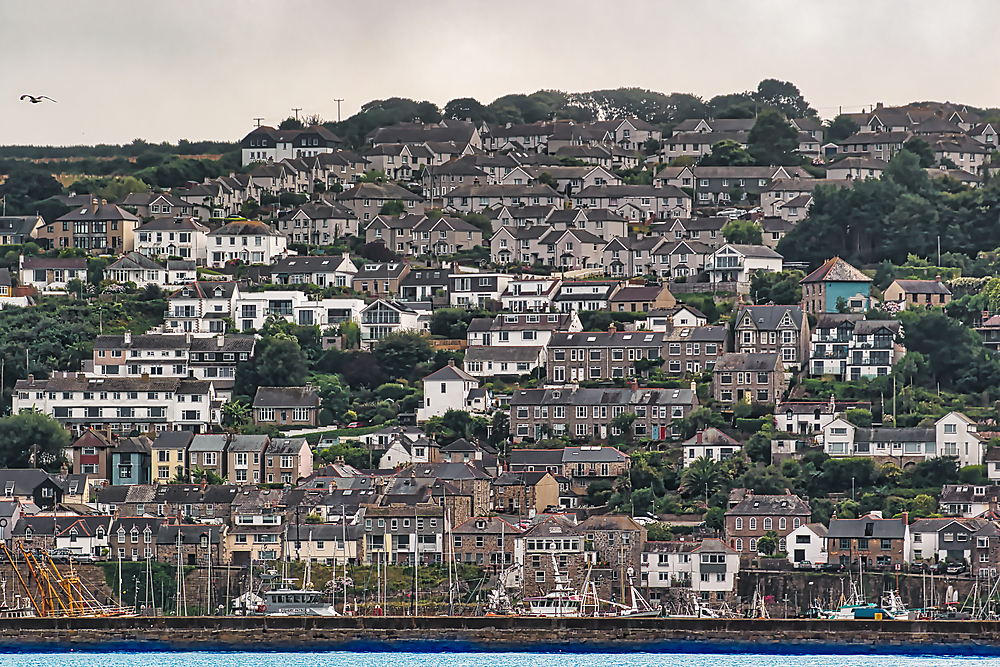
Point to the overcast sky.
(172, 69)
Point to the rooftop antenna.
(338, 100)
(296, 110)
(257, 121)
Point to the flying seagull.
(36, 100)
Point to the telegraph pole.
(296, 110)
(257, 121)
(338, 100)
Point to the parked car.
(955, 568)
(832, 567)
(918, 567)
(354, 425)
(730, 213)
(804, 565)
(60, 555)
(84, 558)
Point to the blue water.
(382, 659)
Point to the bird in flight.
(36, 100)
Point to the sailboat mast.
(343, 523)
(416, 565)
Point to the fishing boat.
(296, 602)
(561, 602)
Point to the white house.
(737, 263)
(535, 294)
(708, 568)
(250, 241)
(402, 451)
(182, 237)
(381, 318)
(953, 435)
(321, 270)
(134, 267)
(957, 433)
(201, 307)
(48, 274)
(120, 404)
(807, 542)
(445, 389)
(711, 443)
(251, 310)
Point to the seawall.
(500, 634)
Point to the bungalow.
(286, 406)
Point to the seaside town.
(618, 353)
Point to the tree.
(778, 287)
(773, 141)
(393, 207)
(702, 478)
(727, 153)
(278, 362)
(768, 544)
(840, 128)
(623, 423)
(236, 414)
(545, 178)
(715, 519)
(398, 354)
(32, 433)
(783, 96)
(291, 123)
(859, 417)
(922, 150)
(743, 232)
(463, 108)
(758, 448)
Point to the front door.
(800, 555)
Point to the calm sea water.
(378, 659)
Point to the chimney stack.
(612, 329)
(451, 362)
(128, 337)
(220, 341)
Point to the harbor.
(508, 634)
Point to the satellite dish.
(3, 523)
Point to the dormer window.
(185, 292)
(218, 292)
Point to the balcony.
(836, 354)
(825, 338)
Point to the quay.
(499, 634)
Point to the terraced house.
(574, 357)
(589, 414)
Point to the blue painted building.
(835, 280)
(131, 461)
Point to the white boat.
(562, 602)
(296, 602)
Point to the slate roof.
(170, 223)
(767, 318)
(173, 440)
(245, 228)
(286, 397)
(286, 446)
(867, 526)
(922, 286)
(539, 457)
(836, 270)
(450, 373)
(888, 434)
(757, 361)
(783, 505)
(502, 353)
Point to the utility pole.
(338, 100)
(296, 110)
(257, 121)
